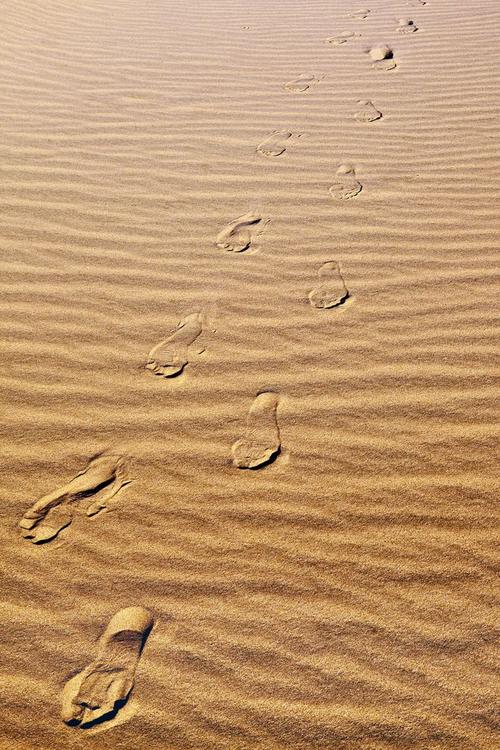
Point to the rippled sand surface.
(227, 241)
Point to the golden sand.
(248, 304)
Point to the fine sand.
(248, 308)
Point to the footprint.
(360, 15)
(275, 144)
(367, 112)
(241, 233)
(169, 357)
(382, 57)
(346, 185)
(416, 3)
(99, 482)
(261, 444)
(301, 83)
(98, 692)
(341, 38)
(406, 26)
(331, 290)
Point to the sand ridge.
(338, 596)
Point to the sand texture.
(249, 312)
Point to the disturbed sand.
(248, 308)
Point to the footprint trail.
(261, 443)
(275, 144)
(99, 482)
(98, 692)
(169, 358)
(331, 290)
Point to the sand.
(248, 302)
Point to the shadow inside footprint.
(382, 57)
(406, 26)
(346, 185)
(239, 235)
(261, 444)
(169, 358)
(104, 476)
(275, 144)
(96, 694)
(360, 15)
(331, 290)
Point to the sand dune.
(341, 596)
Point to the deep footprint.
(360, 15)
(367, 112)
(301, 83)
(346, 185)
(99, 482)
(239, 235)
(406, 26)
(275, 144)
(382, 57)
(96, 694)
(169, 357)
(342, 38)
(331, 290)
(261, 443)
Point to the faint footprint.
(416, 3)
(360, 15)
(346, 185)
(342, 38)
(301, 83)
(261, 443)
(406, 26)
(241, 233)
(169, 357)
(98, 692)
(331, 290)
(382, 57)
(274, 144)
(99, 482)
(367, 112)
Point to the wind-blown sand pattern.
(98, 692)
(341, 598)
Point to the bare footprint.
(97, 694)
(240, 234)
(301, 83)
(275, 144)
(261, 444)
(382, 57)
(169, 357)
(99, 482)
(342, 38)
(406, 26)
(360, 14)
(367, 112)
(416, 3)
(331, 290)
(346, 185)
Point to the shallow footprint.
(239, 234)
(346, 185)
(382, 57)
(169, 357)
(274, 144)
(261, 443)
(367, 112)
(100, 481)
(360, 14)
(341, 38)
(406, 26)
(301, 83)
(331, 290)
(98, 692)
